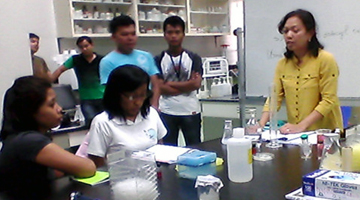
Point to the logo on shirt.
(141, 59)
(151, 133)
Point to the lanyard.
(177, 70)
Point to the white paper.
(289, 138)
(312, 139)
(167, 154)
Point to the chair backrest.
(65, 97)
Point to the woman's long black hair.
(126, 78)
(309, 21)
(21, 102)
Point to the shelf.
(111, 3)
(161, 5)
(152, 21)
(90, 19)
(151, 35)
(99, 35)
(206, 34)
(208, 13)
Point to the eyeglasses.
(136, 97)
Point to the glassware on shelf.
(228, 131)
(96, 13)
(142, 15)
(306, 147)
(273, 131)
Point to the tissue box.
(332, 184)
(196, 163)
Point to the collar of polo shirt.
(121, 121)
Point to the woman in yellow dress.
(307, 78)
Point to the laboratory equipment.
(239, 157)
(273, 104)
(196, 163)
(320, 141)
(353, 141)
(228, 131)
(306, 147)
(216, 69)
(261, 156)
(331, 157)
(133, 174)
(252, 124)
(208, 187)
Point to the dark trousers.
(90, 108)
(190, 126)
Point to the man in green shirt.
(86, 66)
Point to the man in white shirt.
(181, 71)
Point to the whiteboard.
(338, 30)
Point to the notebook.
(98, 178)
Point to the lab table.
(272, 179)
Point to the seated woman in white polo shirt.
(128, 119)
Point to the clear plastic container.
(133, 175)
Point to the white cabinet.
(91, 17)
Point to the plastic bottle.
(227, 87)
(239, 157)
(215, 88)
(96, 13)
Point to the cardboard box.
(332, 185)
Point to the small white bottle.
(239, 157)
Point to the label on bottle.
(250, 157)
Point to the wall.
(18, 18)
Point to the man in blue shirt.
(123, 33)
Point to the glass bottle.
(117, 12)
(85, 12)
(252, 124)
(331, 158)
(96, 13)
(228, 131)
(305, 147)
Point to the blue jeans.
(90, 108)
(190, 125)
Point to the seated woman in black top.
(28, 158)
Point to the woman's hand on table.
(292, 128)
(253, 129)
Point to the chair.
(66, 99)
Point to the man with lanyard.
(86, 66)
(181, 72)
